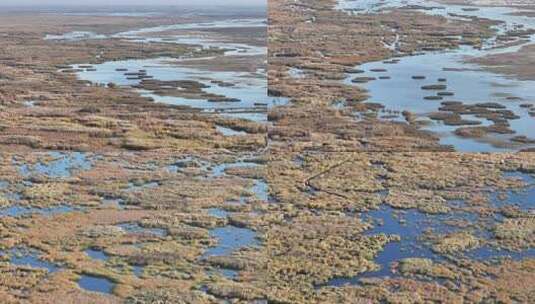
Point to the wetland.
(456, 79)
(194, 155)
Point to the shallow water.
(412, 225)
(62, 165)
(22, 257)
(368, 6)
(468, 82)
(523, 199)
(97, 284)
(75, 36)
(401, 92)
(219, 24)
(250, 88)
(85, 35)
(232, 49)
(188, 162)
(409, 225)
(205, 42)
(136, 228)
(261, 190)
(296, 73)
(219, 170)
(230, 239)
(97, 254)
(229, 131)
(218, 212)
(488, 253)
(138, 270)
(229, 273)
(115, 14)
(18, 210)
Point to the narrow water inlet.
(218, 212)
(261, 190)
(219, 170)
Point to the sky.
(130, 2)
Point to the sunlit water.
(248, 92)
(466, 81)
(249, 88)
(206, 42)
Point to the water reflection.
(465, 82)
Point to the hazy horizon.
(45, 3)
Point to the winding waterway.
(460, 81)
(246, 91)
